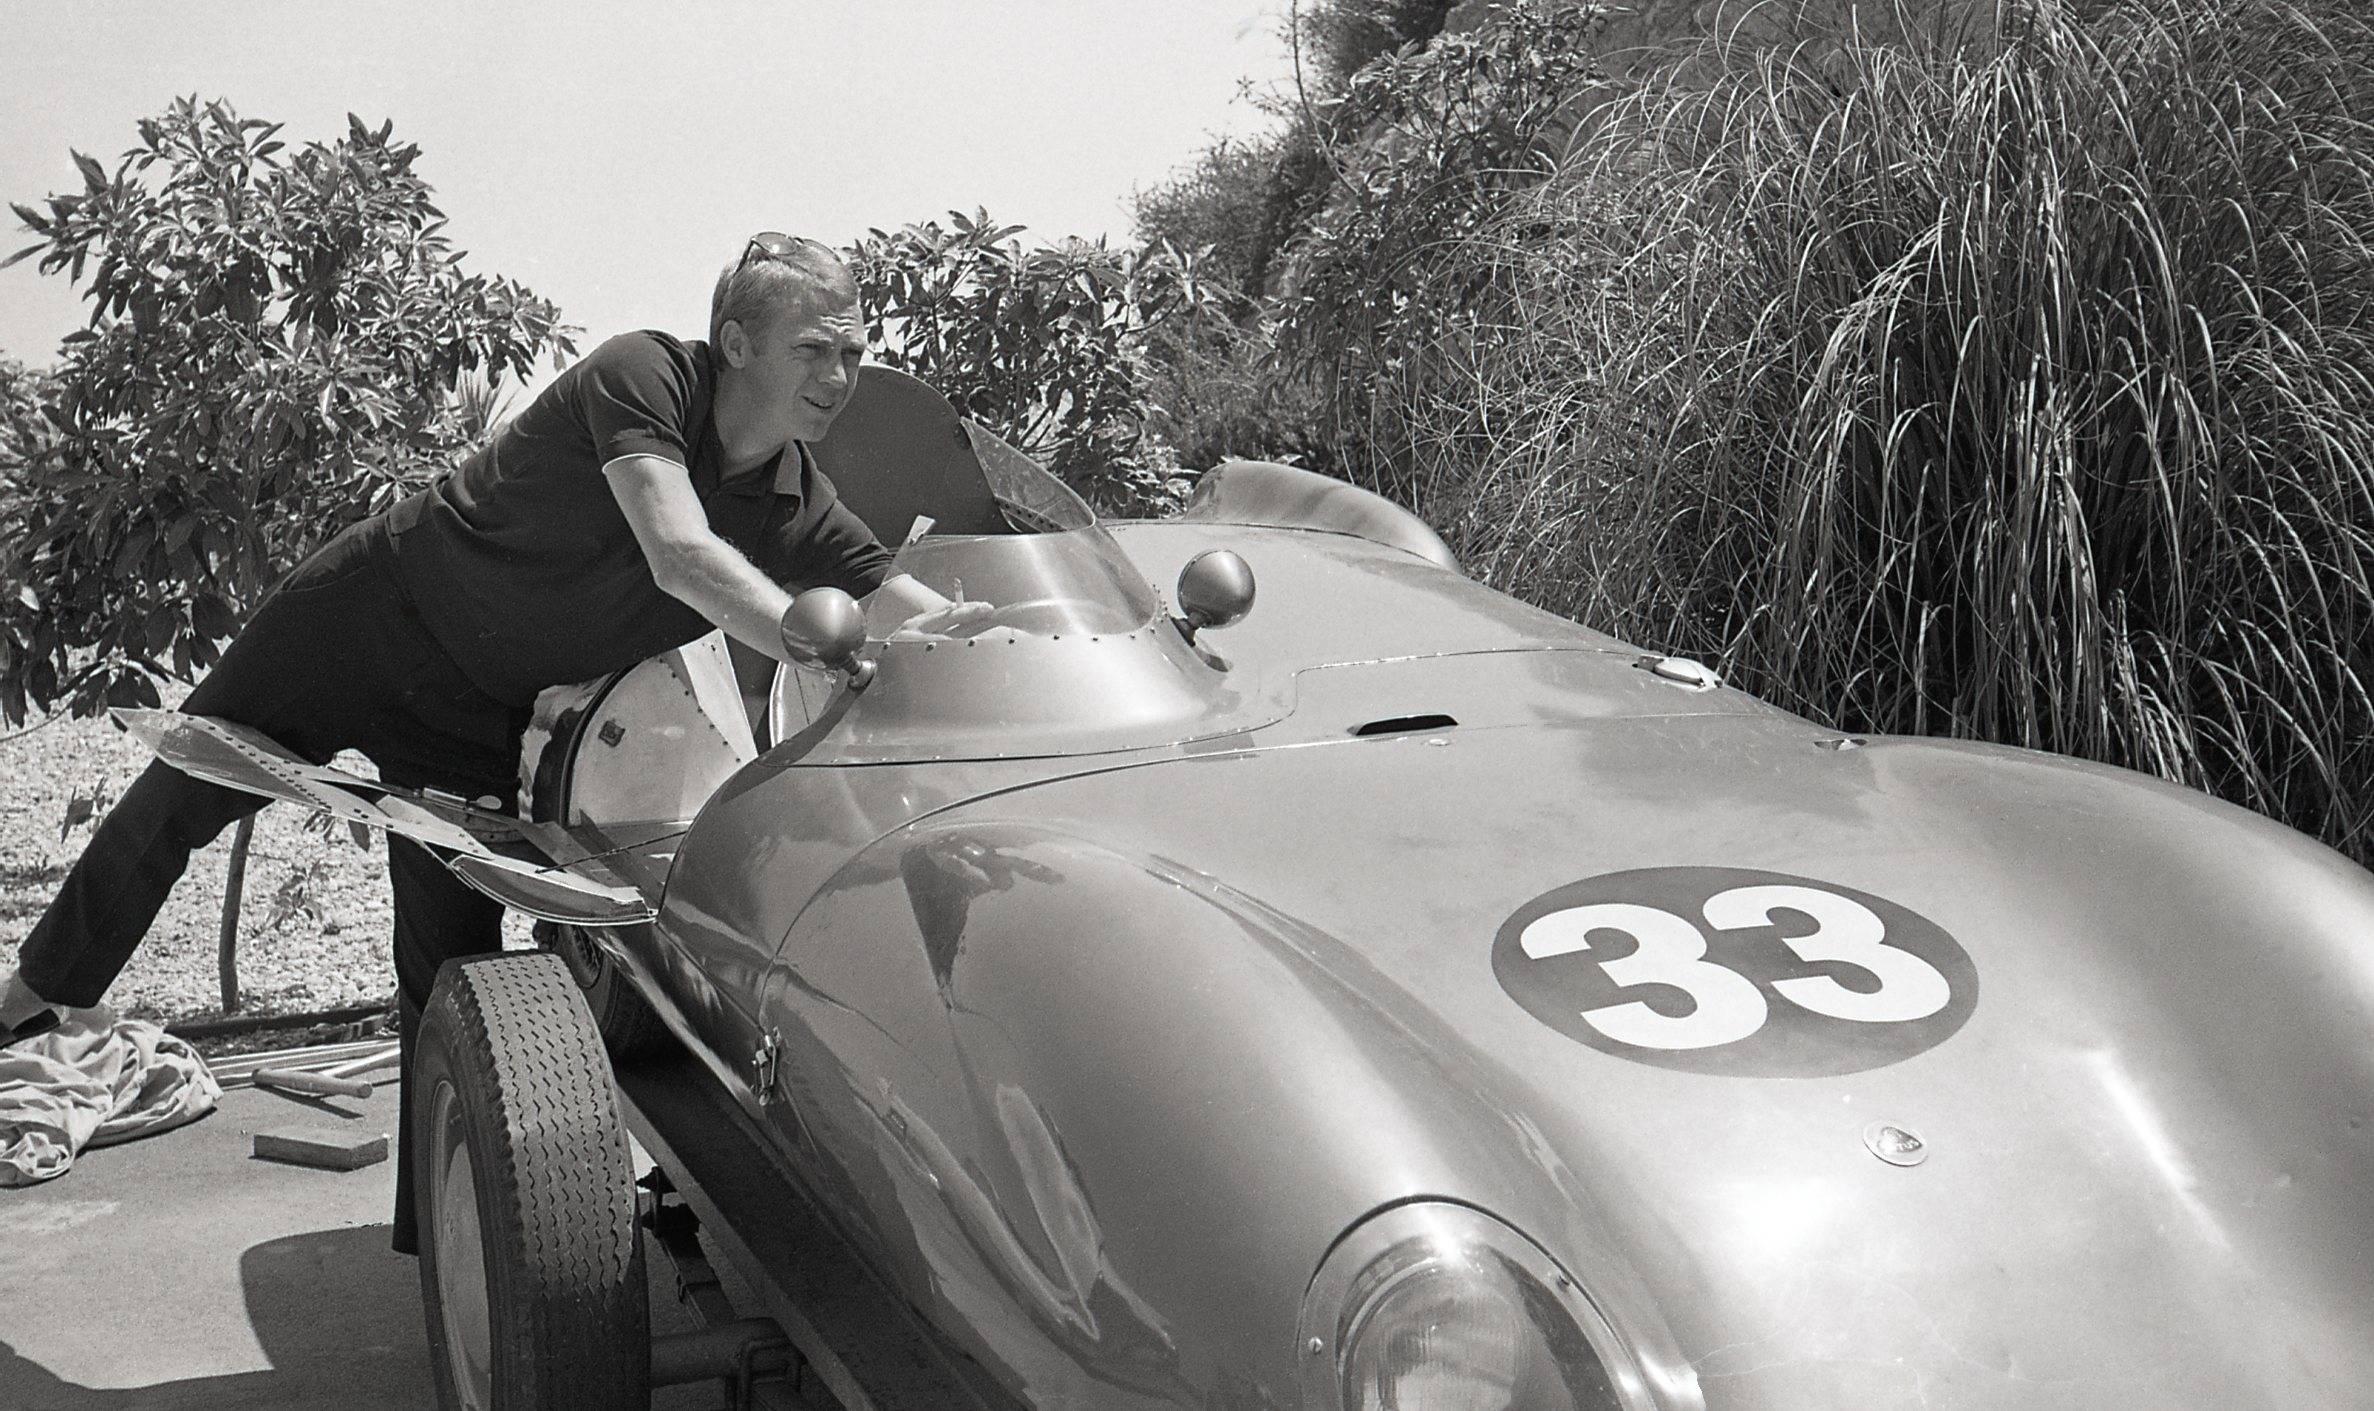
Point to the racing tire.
(531, 1270)
(628, 1024)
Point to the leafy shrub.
(2019, 391)
(1378, 155)
(1046, 347)
(1382, 289)
(1243, 199)
(274, 343)
(1215, 386)
(1215, 393)
(24, 430)
(1342, 37)
(1240, 201)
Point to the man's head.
(785, 326)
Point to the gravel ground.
(300, 965)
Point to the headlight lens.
(1436, 1307)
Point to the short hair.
(759, 284)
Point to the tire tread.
(535, 1088)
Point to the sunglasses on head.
(771, 245)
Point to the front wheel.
(531, 1271)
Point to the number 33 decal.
(1662, 923)
(1729, 1007)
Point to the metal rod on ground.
(232, 1071)
(329, 1080)
(298, 1080)
(226, 956)
(377, 1058)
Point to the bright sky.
(611, 154)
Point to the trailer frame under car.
(857, 1346)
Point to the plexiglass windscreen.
(1060, 574)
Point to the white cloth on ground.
(93, 1080)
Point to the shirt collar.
(784, 475)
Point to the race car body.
(1402, 997)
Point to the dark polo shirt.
(523, 566)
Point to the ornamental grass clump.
(2019, 386)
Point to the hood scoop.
(1405, 724)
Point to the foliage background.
(1049, 347)
(1999, 370)
(1990, 371)
(280, 341)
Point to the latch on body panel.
(1681, 671)
(763, 1061)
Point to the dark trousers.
(334, 658)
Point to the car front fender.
(1104, 1117)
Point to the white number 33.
(1725, 1005)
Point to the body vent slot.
(1403, 724)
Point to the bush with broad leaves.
(277, 346)
(1046, 347)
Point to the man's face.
(801, 364)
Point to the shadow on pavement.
(337, 1315)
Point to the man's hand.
(945, 621)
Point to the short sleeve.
(822, 545)
(636, 394)
(845, 553)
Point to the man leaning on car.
(656, 489)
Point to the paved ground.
(180, 1273)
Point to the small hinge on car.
(762, 1067)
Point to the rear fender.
(1284, 497)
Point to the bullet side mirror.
(1215, 590)
(825, 627)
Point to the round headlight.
(1437, 1307)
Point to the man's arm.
(688, 561)
(694, 566)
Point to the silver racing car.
(1344, 986)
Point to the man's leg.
(115, 889)
(447, 734)
(301, 672)
(438, 917)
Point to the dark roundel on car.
(1734, 971)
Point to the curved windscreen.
(1061, 573)
(1034, 501)
(1078, 655)
(1078, 582)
